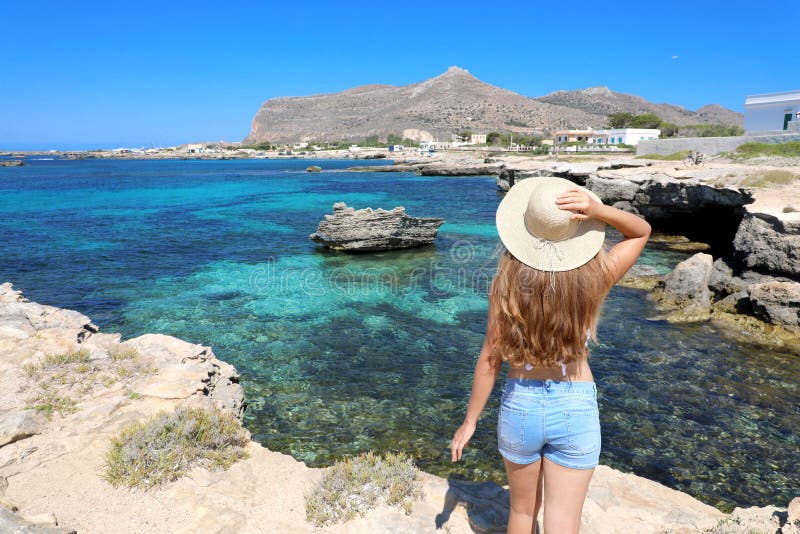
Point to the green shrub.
(770, 178)
(119, 354)
(76, 356)
(31, 370)
(146, 454)
(47, 401)
(790, 149)
(353, 486)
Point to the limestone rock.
(186, 369)
(624, 164)
(9, 294)
(776, 302)
(723, 281)
(314, 168)
(612, 190)
(793, 511)
(698, 211)
(687, 285)
(766, 519)
(767, 244)
(368, 230)
(12, 163)
(460, 170)
(13, 523)
(19, 424)
(577, 172)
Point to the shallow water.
(340, 354)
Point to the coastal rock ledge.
(368, 230)
(51, 467)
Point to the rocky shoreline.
(752, 282)
(50, 468)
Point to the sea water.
(341, 354)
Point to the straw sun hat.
(542, 236)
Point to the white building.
(573, 136)
(477, 139)
(624, 136)
(773, 112)
(195, 148)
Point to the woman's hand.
(460, 440)
(577, 201)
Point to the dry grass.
(66, 358)
(147, 454)
(353, 486)
(770, 178)
(675, 156)
(59, 378)
(790, 149)
(48, 401)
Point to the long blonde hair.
(542, 317)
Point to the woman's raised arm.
(636, 230)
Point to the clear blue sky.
(106, 74)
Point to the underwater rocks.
(366, 229)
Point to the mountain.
(453, 101)
(604, 101)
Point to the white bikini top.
(528, 366)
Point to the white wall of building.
(625, 136)
(767, 113)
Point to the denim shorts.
(550, 418)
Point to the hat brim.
(570, 253)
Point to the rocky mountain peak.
(599, 90)
(445, 104)
(456, 70)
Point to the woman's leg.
(524, 482)
(564, 493)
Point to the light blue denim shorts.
(550, 418)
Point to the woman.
(544, 304)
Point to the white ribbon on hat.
(550, 248)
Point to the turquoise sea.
(340, 354)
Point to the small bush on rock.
(353, 486)
(147, 454)
(66, 358)
(47, 401)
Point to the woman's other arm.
(482, 385)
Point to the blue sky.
(106, 74)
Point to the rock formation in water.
(371, 230)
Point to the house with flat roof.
(624, 136)
(572, 136)
(772, 112)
